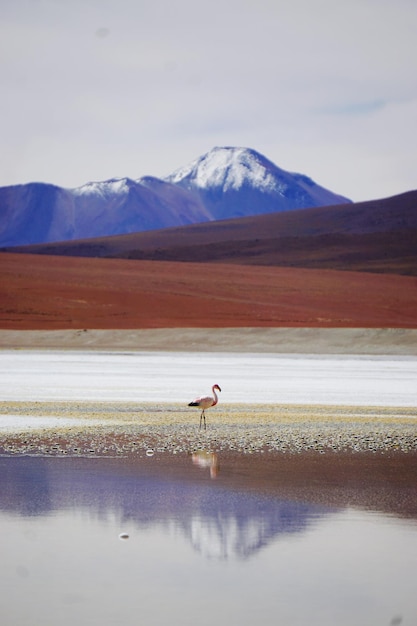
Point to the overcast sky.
(96, 89)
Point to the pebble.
(124, 429)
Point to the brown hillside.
(377, 236)
(44, 292)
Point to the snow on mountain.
(229, 168)
(224, 183)
(40, 213)
(105, 189)
(235, 182)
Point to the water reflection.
(217, 521)
(156, 540)
(206, 459)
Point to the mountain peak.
(224, 183)
(104, 188)
(232, 182)
(229, 168)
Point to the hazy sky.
(95, 89)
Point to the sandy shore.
(120, 428)
(373, 341)
(335, 456)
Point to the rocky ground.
(118, 428)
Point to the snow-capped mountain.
(229, 168)
(236, 182)
(41, 213)
(224, 183)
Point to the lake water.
(296, 540)
(153, 541)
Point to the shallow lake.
(292, 539)
(171, 540)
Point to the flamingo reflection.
(205, 459)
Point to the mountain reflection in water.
(218, 521)
(289, 539)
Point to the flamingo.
(206, 402)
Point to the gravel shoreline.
(125, 429)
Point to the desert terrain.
(230, 289)
(328, 279)
(47, 292)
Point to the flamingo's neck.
(215, 396)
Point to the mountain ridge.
(377, 236)
(239, 182)
(229, 181)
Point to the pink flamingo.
(205, 403)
